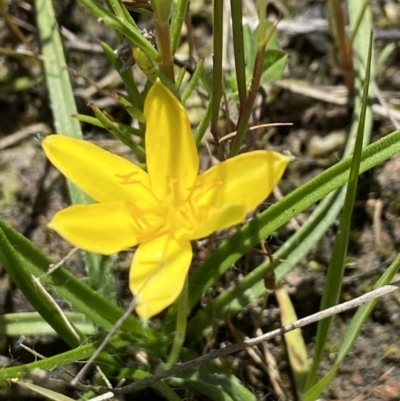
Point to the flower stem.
(181, 322)
(238, 45)
(162, 11)
(217, 67)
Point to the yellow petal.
(246, 180)
(171, 153)
(228, 215)
(158, 273)
(104, 228)
(102, 175)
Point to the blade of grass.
(49, 394)
(194, 80)
(337, 263)
(352, 332)
(24, 280)
(295, 346)
(179, 8)
(99, 268)
(127, 28)
(238, 46)
(32, 324)
(217, 69)
(84, 351)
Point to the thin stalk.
(217, 68)
(166, 60)
(238, 46)
(181, 323)
(255, 84)
(162, 11)
(204, 123)
(343, 45)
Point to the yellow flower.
(162, 209)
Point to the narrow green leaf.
(83, 352)
(139, 374)
(32, 324)
(352, 333)
(210, 377)
(294, 341)
(126, 74)
(131, 31)
(119, 131)
(49, 394)
(63, 107)
(179, 8)
(337, 262)
(22, 277)
(194, 81)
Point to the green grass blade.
(179, 8)
(223, 382)
(238, 46)
(127, 28)
(194, 81)
(84, 351)
(333, 284)
(63, 106)
(126, 74)
(22, 277)
(45, 392)
(352, 332)
(294, 342)
(32, 324)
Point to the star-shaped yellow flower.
(162, 209)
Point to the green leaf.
(126, 74)
(84, 351)
(119, 131)
(352, 333)
(337, 262)
(23, 278)
(49, 394)
(295, 346)
(179, 8)
(214, 382)
(274, 65)
(63, 107)
(32, 324)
